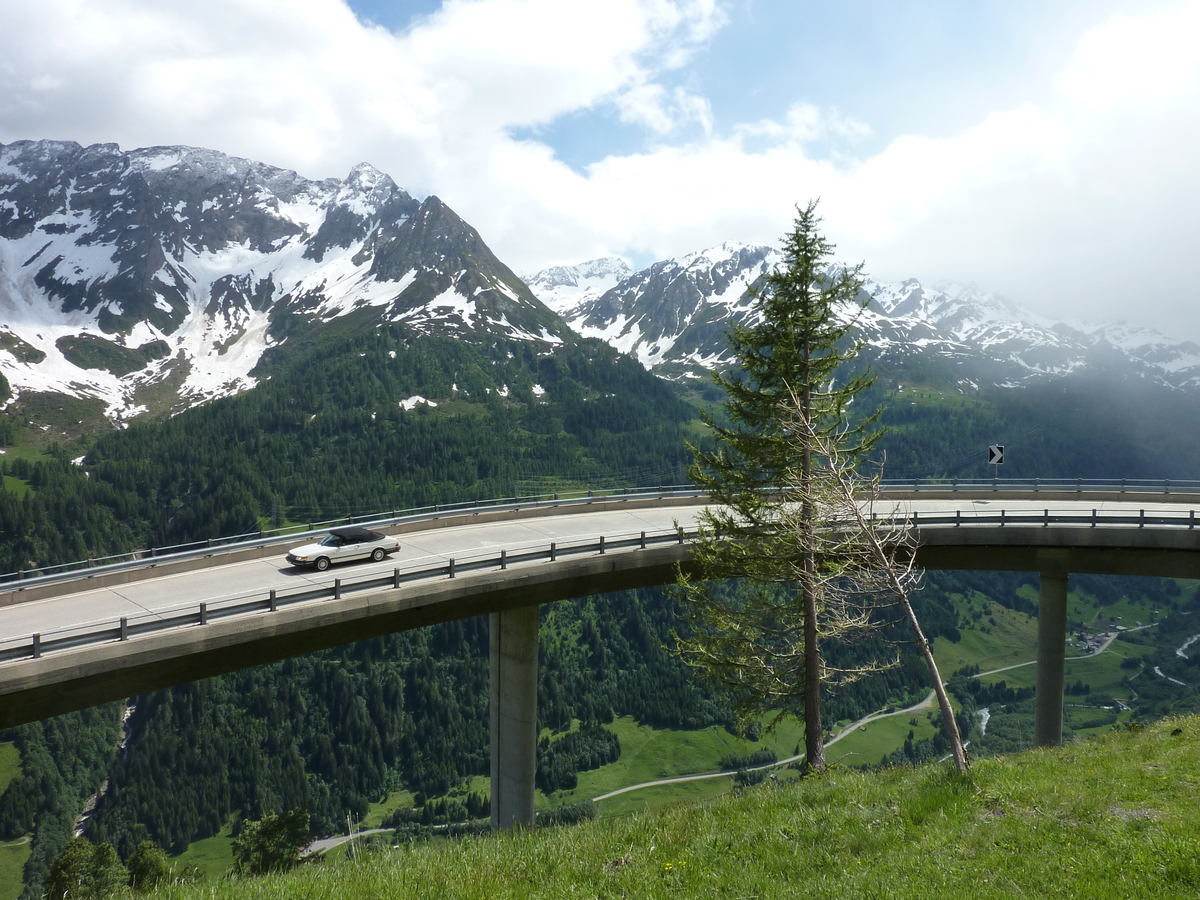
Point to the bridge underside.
(1092, 551)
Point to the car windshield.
(331, 540)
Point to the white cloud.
(663, 111)
(803, 124)
(1087, 198)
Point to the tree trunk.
(949, 723)
(814, 732)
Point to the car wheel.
(377, 554)
(322, 563)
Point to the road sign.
(996, 454)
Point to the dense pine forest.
(334, 429)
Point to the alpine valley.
(195, 345)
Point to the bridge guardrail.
(75, 636)
(212, 546)
(194, 549)
(35, 645)
(1036, 485)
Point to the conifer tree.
(786, 519)
(764, 640)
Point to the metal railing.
(109, 630)
(195, 549)
(383, 519)
(84, 634)
(1037, 485)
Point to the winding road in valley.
(851, 728)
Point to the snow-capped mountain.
(124, 271)
(673, 316)
(567, 287)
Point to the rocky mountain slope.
(156, 278)
(673, 317)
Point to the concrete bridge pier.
(513, 715)
(1051, 659)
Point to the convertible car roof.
(355, 532)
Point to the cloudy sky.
(1046, 149)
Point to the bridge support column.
(1051, 659)
(513, 715)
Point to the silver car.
(342, 544)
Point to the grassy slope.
(213, 855)
(1106, 818)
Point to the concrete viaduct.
(111, 632)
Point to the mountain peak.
(122, 271)
(566, 287)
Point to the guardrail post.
(337, 589)
(20, 574)
(643, 545)
(203, 613)
(124, 628)
(1191, 519)
(601, 545)
(916, 484)
(1037, 482)
(957, 517)
(1079, 485)
(209, 542)
(553, 552)
(1167, 486)
(1122, 485)
(395, 578)
(1093, 518)
(1045, 518)
(1141, 518)
(503, 559)
(452, 567)
(1001, 518)
(274, 601)
(680, 535)
(954, 485)
(37, 646)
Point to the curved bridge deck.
(102, 637)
